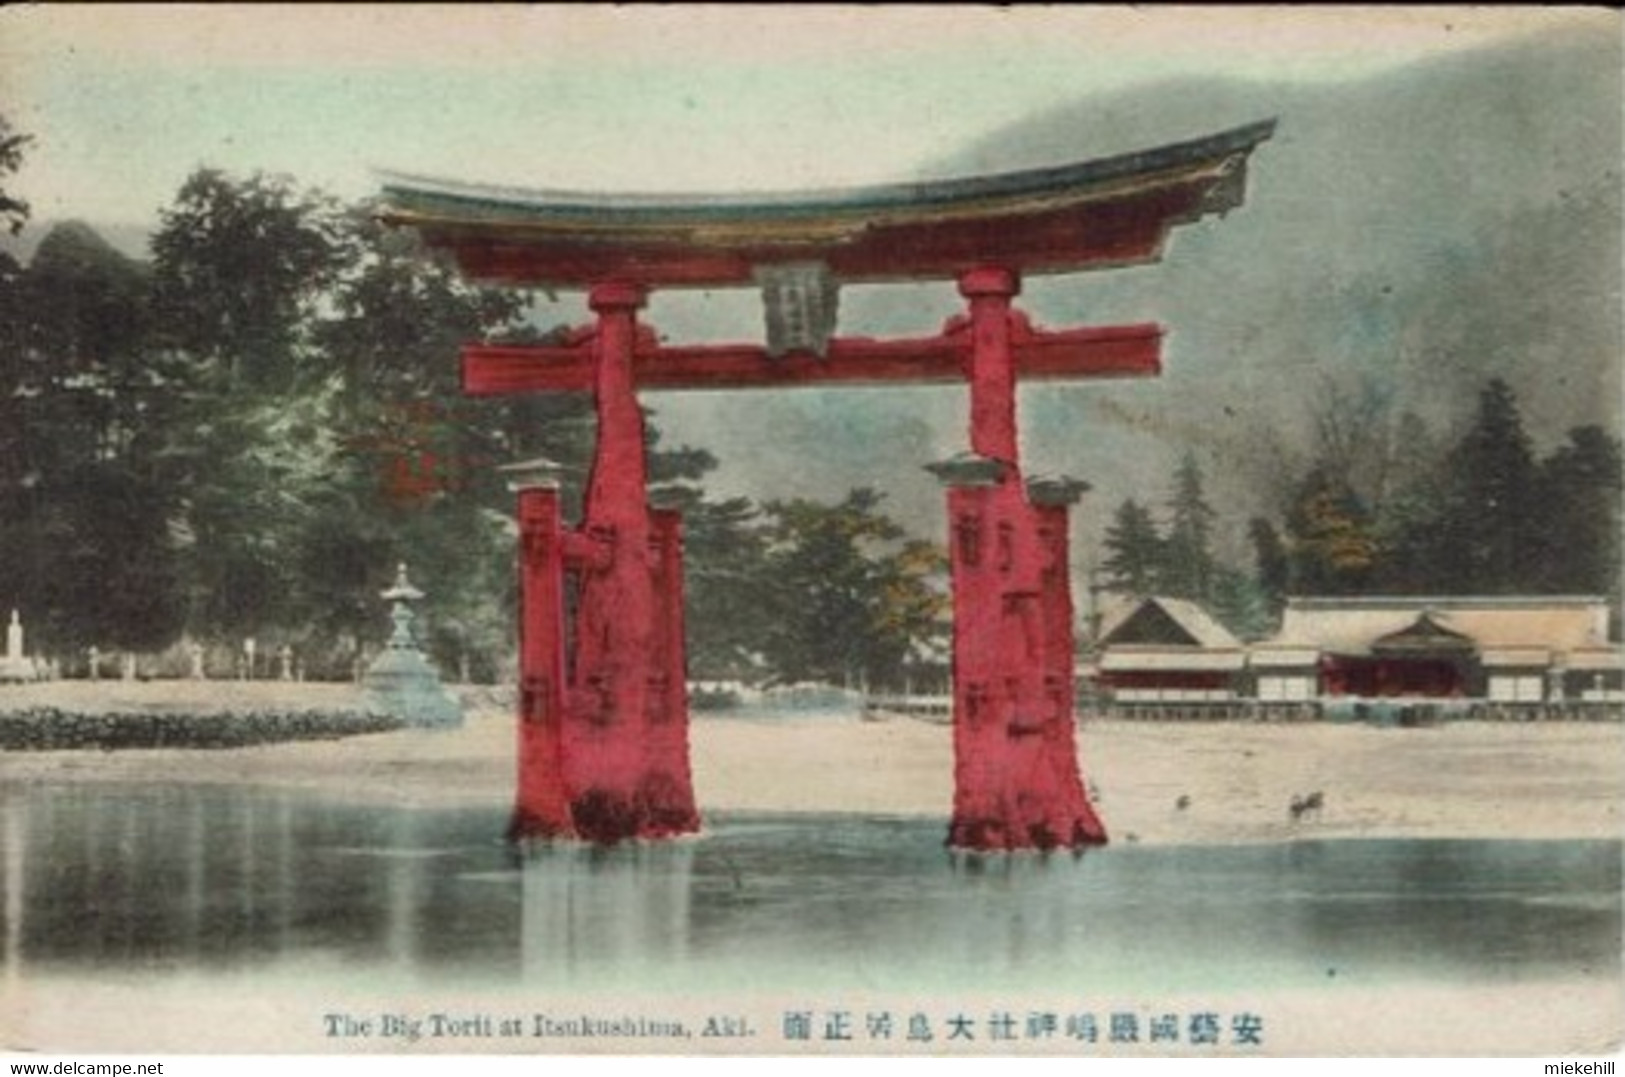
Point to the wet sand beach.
(1155, 784)
(1178, 783)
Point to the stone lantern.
(401, 682)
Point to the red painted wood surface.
(1128, 226)
(992, 364)
(1378, 678)
(542, 803)
(623, 764)
(1065, 218)
(620, 619)
(615, 764)
(1060, 677)
(1116, 351)
(667, 801)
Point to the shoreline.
(1153, 783)
(1471, 781)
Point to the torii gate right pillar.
(1016, 779)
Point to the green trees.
(1578, 550)
(1485, 515)
(1272, 564)
(1188, 567)
(240, 268)
(85, 491)
(724, 576)
(1141, 559)
(210, 444)
(13, 210)
(412, 473)
(849, 598)
(1394, 510)
(1133, 550)
(1481, 514)
(1491, 518)
(1330, 543)
(1412, 546)
(242, 438)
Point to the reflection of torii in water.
(604, 729)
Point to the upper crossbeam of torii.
(1112, 211)
(603, 711)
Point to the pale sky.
(124, 102)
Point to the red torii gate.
(603, 709)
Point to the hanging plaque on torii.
(603, 749)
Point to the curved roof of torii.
(1104, 212)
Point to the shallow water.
(187, 880)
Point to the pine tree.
(1415, 556)
(1133, 550)
(1580, 491)
(1273, 566)
(1187, 564)
(1491, 520)
(725, 579)
(1240, 604)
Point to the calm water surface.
(156, 879)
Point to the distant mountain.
(1404, 238)
(1439, 194)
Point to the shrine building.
(1518, 650)
(1538, 649)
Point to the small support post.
(668, 786)
(542, 804)
(1051, 500)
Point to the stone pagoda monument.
(401, 682)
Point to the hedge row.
(53, 729)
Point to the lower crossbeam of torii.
(603, 722)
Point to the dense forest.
(1409, 513)
(241, 437)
